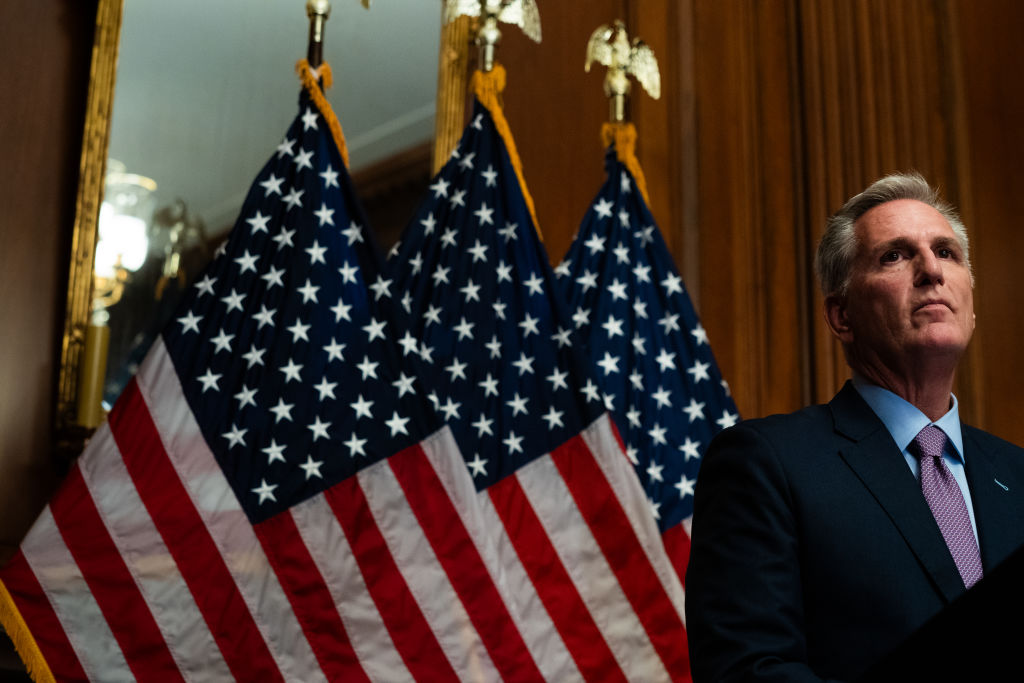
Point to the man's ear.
(837, 318)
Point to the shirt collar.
(904, 420)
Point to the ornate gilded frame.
(92, 168)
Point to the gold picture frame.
(92, 168)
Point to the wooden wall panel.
(668, 142)
(44, 49)
(993, 61)
(751, 275)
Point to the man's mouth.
(932, 303)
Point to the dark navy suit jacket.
(813, 550)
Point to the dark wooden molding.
(391, 190)
(381, 179)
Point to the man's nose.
(929, 269)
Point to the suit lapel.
(993, 504)
(868, 449)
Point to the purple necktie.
(947, 503)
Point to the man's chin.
(940, 340)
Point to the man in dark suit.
(823, 538)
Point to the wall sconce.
(121, 250)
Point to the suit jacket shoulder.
(992, 444)
(995, 473)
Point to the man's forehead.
(902, 219)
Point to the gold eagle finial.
(522, 13)
(610, 45)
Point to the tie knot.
(929, 442)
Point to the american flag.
(272, 497)
(650, 352)
(597, 596)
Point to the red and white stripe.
(144, 566)
(577, 521)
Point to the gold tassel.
(24, 643)
(488, 87)
(624, 137)
(309, 82)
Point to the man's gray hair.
(833, 263)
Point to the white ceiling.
(206, 88)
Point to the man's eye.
(945, 253)
(890, 256)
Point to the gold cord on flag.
(24, 643)
(624, 137)
(488, 86)
(308, 76)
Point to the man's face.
(910, 296)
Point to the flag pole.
(487, 37)
(318, 12)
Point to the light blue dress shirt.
(904, 421)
